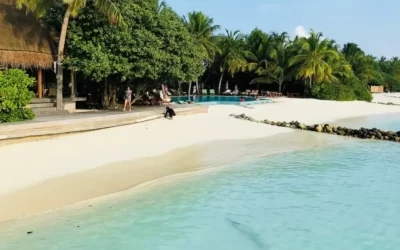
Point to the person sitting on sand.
(169, 113)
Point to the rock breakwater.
(362, 133)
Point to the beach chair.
(254, 93)
(212, 92)
(204, 91)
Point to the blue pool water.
(209, 100)
(342, 196)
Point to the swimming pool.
(212, 100)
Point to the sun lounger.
(204, 92)
(227, 92)
(254, 93)
(212, 92)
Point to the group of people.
(169, 112)
(128, 97)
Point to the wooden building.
(377, 89)
(26, 43)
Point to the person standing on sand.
(128, 98)
(166, 90)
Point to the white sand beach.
(30, 165)
(387, 98)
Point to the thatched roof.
(24, 42)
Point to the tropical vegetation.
(15, 95)
(146, 44)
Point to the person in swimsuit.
(128, 99)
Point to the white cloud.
(300, 31)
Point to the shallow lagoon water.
(340, 196)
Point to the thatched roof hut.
(24, 42)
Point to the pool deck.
(88, 121)
(222, 100)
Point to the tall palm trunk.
(197, 87)
(280, 86)
(190, 87)
(60, 57)
(106, 98)
(220, 83)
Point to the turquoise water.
(342, 196)
(209, 100)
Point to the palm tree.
(233, 56)
(364, 67)
(260, 44)
(203, 28)
(390, 71)
(41, 7)
(273, 54)
(313, 59)
(277, 69)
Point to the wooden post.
(72, 83)
(39, 84)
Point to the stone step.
(49, 112)
(43, 100)
(42, 105)
(46, 111)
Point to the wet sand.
(112, 178)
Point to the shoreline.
(76, 191)
(93, 173)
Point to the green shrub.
(334, 92)
(360, 89)
(395, 86)
(15, 96)
(349, 89)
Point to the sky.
(373, 24)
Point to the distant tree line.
(144, 44)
